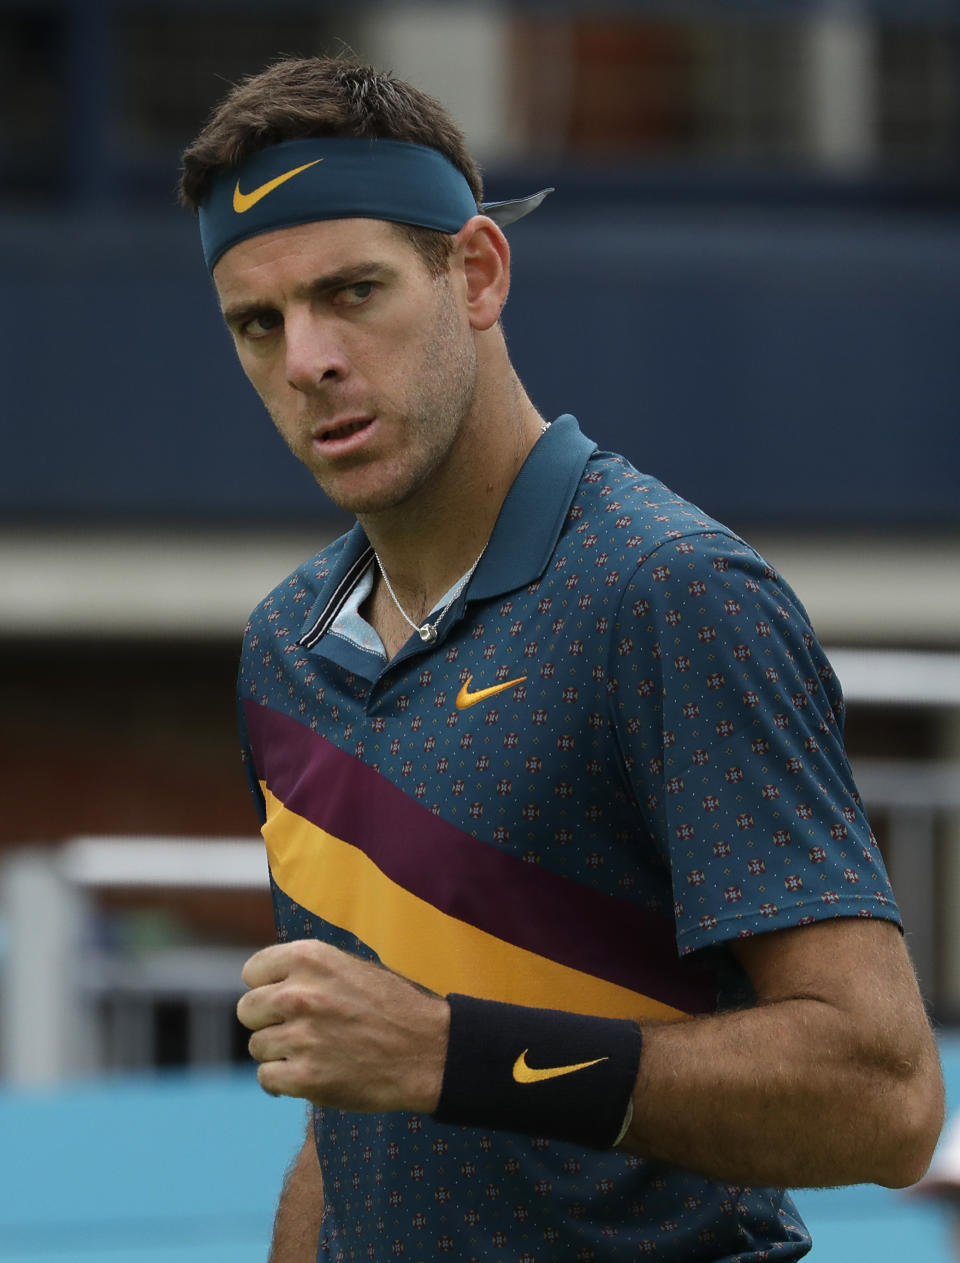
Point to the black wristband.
(542, 1072)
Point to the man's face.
(366, 363)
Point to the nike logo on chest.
(466, 698)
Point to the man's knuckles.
(297, 999)
(273, 964)
(249, 1011)
(289, 1072)
(312, 955)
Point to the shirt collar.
(533, 514)
(523, 539)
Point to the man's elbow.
(913, 1120)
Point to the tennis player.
(586, 950)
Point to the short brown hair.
(326, 96)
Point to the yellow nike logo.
(465, 698)
(243, 201)
(522, 1073)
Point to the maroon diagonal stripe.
(523, 904)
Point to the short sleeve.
(730, 724)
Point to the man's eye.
(353, 295)
(260, 325)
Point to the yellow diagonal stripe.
(338, 882)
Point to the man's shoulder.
(618, 503)
(634, 525)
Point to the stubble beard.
(432, 415)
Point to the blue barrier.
(187, 1169)
(171, 1169)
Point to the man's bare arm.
(832, 1079)
(296, 1228)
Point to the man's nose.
(314, 353)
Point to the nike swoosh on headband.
(242, 202)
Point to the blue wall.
(188, 1169)
(774, 364)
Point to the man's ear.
(484, 258)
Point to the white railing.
(69, 1006)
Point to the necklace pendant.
(428, 633)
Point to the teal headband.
(335, 177)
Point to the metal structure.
(70, 1006)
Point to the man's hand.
(340, 1031)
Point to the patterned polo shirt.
(623, 751)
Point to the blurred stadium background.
(746, 280)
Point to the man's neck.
(426, 545)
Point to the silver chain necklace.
(427, 631)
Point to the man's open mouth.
(343, 431)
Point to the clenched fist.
(340, 1031)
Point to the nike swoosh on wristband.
(522, 1073)
(465, 698)
(243, 201)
